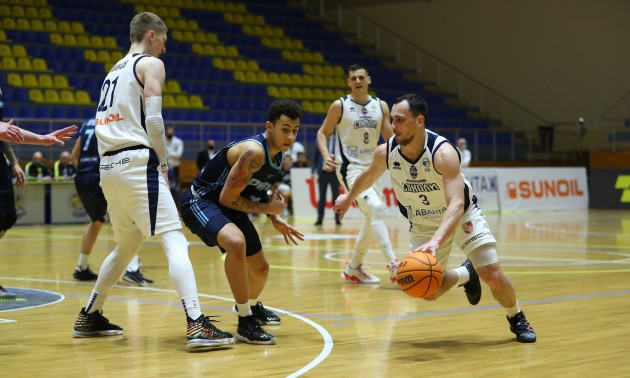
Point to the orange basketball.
(419, 274)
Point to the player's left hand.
(20, 177)
(342, 205)
(288, 231)
(430, 247)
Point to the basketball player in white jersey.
(359, 119)
(441, 208)
(133, 172)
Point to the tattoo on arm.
(248, 164)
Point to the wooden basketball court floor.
(571, 271)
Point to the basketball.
(419, 275)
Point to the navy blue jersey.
(211, 179)
(88, 155)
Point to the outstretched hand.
(288, 231)
(58, 137)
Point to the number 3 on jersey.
(104, 92)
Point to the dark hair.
(356, 67)
(417, 105)
(289, 108)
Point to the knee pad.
(484, 255)
(377, 209)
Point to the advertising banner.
(610, 188)
(484, 185)
(549, 188)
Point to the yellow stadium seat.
(250, 77)
(328, 81)
(67, 97)
(5, 50)
(182, 101)
(252, 65)
(197, 48)
(22, 24)
(212, 38)
(24, 64)
(60, 82)
(45, 13)
(300, 56)
(272, 91)
(241, 65)
(35, 95)
(217, 63)
(103, 56)
(5, 10)
(39, 64)
(89, 55)
(196, 102)
(8, 23)
(286, 54)
(307, 93)
(231, 51)
(239, 76)
(248, 29)
(40, 3)
(340, 81)
(177, 35)
(229, 64)
(297, 44)
(328, 70)
(285, 78)
(180, 24)
(19, 51)
(318, 57)
(296, 79)
(51, 96)
(173, 86)
(318, 80)
(274, 78)
(307, 106)
(57, 39)
(318, 94)
(82, 98)
(83, 41)
(45, 81)
(220, 50)
(3, 35)
(37, 25)
(77, 28)
(319, 107)
(116, 56)
(50, 26)
(307, 80)
(188, 36)
(261, 77)
(265, 41)
(64, 27)
(219, 6)
(31, 12)
(14, 80)
(192, 25)
(296, 93)
(96, 41)
(8, 63)
(338, 70)
(110, 42)
(340, 93)
(317, 70)
(168, 101)
(69, 40)
(330, 94)
(209, 50)
(284, 92)
(259, 20)
(200, 37)
(17, 11)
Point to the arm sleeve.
(155, 129)
(8, 151)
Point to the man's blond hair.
(142, 23)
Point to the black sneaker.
(473, 286)
(84, 275)
(521, 328)
(249, 331)
(318, 223)
(93, 325)
(6, 296)
(202, 333)
(136, 277)
(261, 314)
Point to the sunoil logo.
(544, 189)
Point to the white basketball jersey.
(418, 186)
(120, 113)
(358, 131)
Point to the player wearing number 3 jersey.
(359, 119)
(133, 171)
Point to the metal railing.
(428, 66)
(617, 123)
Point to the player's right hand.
(275, 204)
(330, 164)
(342, 204)
(10, 133)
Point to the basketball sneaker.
(249, 331)
(202, 333)
(6, 296)
(261, 314)
(392, 267)
(84, 274)
(473, 286)
(358, 275)
(136, 277)
(521, 328)
(94, 325)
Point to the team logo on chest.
(467, 227)
(413, 171)
(364, 111)
(426, 164)
(396, 165)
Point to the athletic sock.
(192, 308)
(462, 275)
(512, 311)
(83, 261)
(244, 309)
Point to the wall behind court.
(559, 59)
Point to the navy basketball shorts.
(91, 196)
(8, 215)
(206, 218)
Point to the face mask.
(210, 148)
(169, 137)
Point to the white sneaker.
(358, 275)
(392, 267)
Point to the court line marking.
(61, 298)
(532, 226)
(328, 340)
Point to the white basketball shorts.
(373, 194)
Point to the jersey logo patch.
(413, 171)
(467, 227)
(426, 164)
(396, 165)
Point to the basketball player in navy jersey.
(133, 172)
(359, 119)
(10, 133)
(441, 208)
(87, 183)
(238, 180)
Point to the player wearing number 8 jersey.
(359, 119)
(133, 171)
